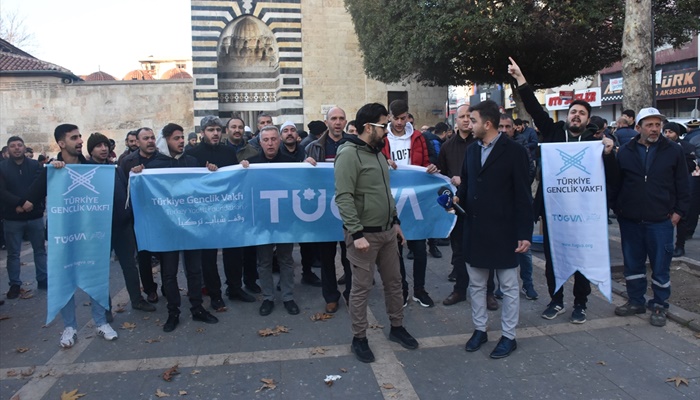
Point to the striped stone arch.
(224, 86)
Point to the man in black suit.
(498, 224)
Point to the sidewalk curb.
(675, 313)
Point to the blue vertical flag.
(79, 208)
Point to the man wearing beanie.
(672, 131)
(191, 141)
(123, 240)
(213, 156)
(98, 148)
(316, 129)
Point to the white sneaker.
(106, 332)
(68, 338)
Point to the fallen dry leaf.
(601, 363)
(12, 373)
(128, 325)
(3, 317)
(318, 350)
(321, 316)
(343, 370)
(195, 372)
(161, 393)
(268, 383)
(678, 380)
(146, 318)
(26, 295)
(376, 326)
(221, 309)
(149, 341)
(200, 330)
(182, 392)
(395, 394)
(388, 386)
(22, 349)
(72, 395)
(172, 371)
(273, 332)
(28, 372)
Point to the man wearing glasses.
(371, 227)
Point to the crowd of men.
(490, 157)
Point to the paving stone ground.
(608, 357)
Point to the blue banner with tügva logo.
(79, 209)
(573, 182)
(192, 208)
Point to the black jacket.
(654, 193)
(497, 200)
(280, 157)
(15, 181)
(132, 160)
(553, 132)
(121, 210)
(221, 156)
(163, 161)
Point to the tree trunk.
(636, 55)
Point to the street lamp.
(695, 113)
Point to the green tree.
(452, 42)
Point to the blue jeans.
(652, 239)
(68, 313)
(14, 232)
(525, 261)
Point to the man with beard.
(131, 145)
(22, 217)
(235, 131)
(146, 142)
(69, 140)
(290, 141)
(171, 146)
(650, 197)
(570, 131)
(371, 227)
(213, 156)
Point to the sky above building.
(85, 36)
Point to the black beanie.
(95, 139)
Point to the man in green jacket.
(371, 226)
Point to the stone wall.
(33, 107)
(334, 74)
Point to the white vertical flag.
(573, 181)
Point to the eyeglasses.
(383, 126)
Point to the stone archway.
(247, 69)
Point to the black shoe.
(399, 335)
(504, 347)
(253, 288)
(266, 307)
(152, 297)
(422, 298)
(435, 252)
(217, 303)
(360, 348)
(409, 255)
(13, 293)
(311, 279)
(452, 277)
(474, 343)
(143, 305)
(203, 315)
(239, 294)
(292, 307)
(679, 251)
(171, 323)
(341, 280)
(42, 285)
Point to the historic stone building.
(291, 58)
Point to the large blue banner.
(192, 208)
(79, 208)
